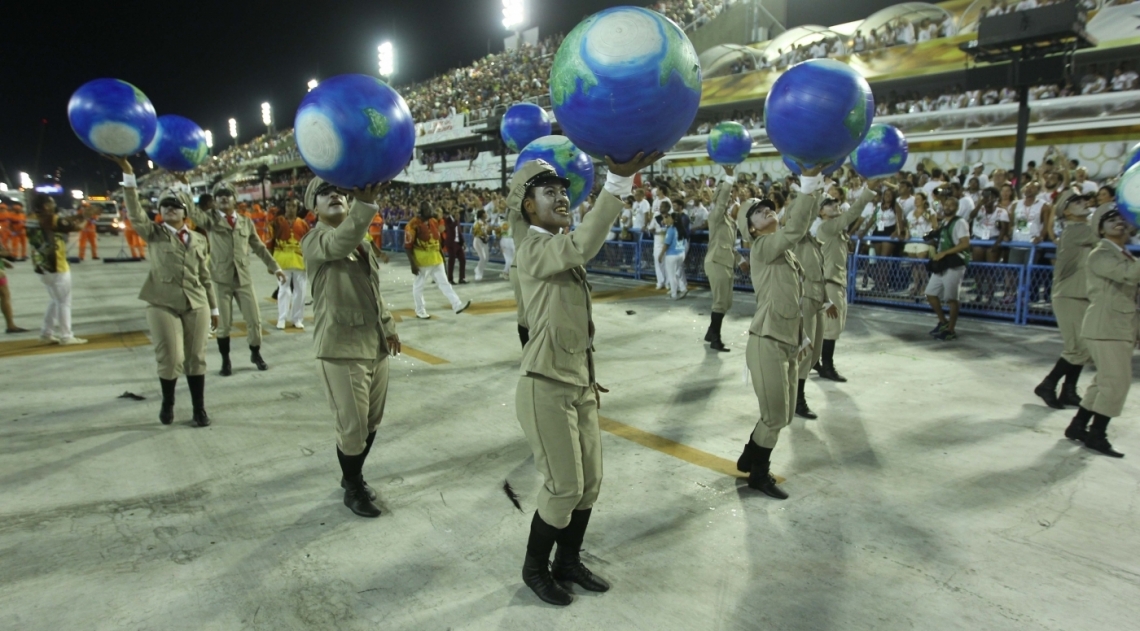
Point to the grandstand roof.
(799, 36)
(718, 58)
(909, 11)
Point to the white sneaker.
(423, 317)
(280, 325)
(463, 308)
(49, 339)
(72, 341)
(300, 326)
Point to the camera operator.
(951, 241)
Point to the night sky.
(210, 61)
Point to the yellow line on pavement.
(95, 342)
(609, 295)
(427, 358)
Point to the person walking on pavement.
(49, 256)
(233, 237)
(285, 234)
(421, 242)
(354, 333)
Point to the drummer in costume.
(1109, 331)
(722, 258)
(179, 292)
(557, 397)
(776, 339)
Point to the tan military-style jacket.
(351, 320)
(832, 234)
(1073, 248)
(1112, 281)
(179, 277)
(810, 255)
(230, 248)
(556, 295)
(776, 273)
(722, 231)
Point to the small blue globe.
(883, 152)
(625, 80)
(1128, 195)
(795, 169)
(1133, 157)
(729, 143)
(522, 124)
(569, 161)
(354, 130)
(112, 117)
(178, 145)
(818, 111)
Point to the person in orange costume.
(87, 236)
(134, 241)
(5, 227)
(260, 222)
(376, 235)
(285, 237)
(18, 243)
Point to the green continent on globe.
(569, 67)
(714, 137)
(196, 155)
(856, 119)
(896, 159)
(563, 154)
(855, 159)
(577, 183)
(876, 133)
(679, 56)
(139, 96)
(377, 122)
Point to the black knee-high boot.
(568, 564)
(166, 413)
(1078, 427)
(197, 385)
(255, 358)
(760, 476)
(524, 335)
(713, 334)
(355, 496)
(802, 409)
(1097, 439)
(1069, 394)
(827, 363)
(1047, 389)
(224, 349)
(364, 457)
(536, 565)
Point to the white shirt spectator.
(819, 50)
(698, 217)
(905, 34)
(878, 220)
(926, 34)
(1124, 81)
(1027, 219)
(965, 207)
(1025, 5)
(906, 205)
(1088, 187)
(919, 226)
(1096, 86)
(930, 186)
(640, 213)
(986, 224)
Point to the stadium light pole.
(209, 139)
(386, 56)
(233, 129)
(267, 117)
(514, 16)
(26, 180)
(312, 84)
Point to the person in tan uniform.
(233, 237)
(721, 259)
(354, 332)
(179, 292)
(519, 226)
(1070, 300)
(558, 396)
(832, 235)
(814, 308)
(776, 337)
(1109, 330)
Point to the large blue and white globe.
(729, 143)
(112, 117)
(1128, 195)
(883, 152)
(569, 161)
(179, 144)
(625, 80)
(1133, 157)
(818, 111)
(522, 124)
(354, 130)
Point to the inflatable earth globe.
(883, 152)
(354, 130)
(522, 124)
(1133, 157)
(1128, 195)
(569, 161)
(179, 144)
(729, 143)
(818, 111)
(625, 80)
(112, 117)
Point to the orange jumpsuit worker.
(260, 222)
(5, 227)
(87, 235)
(134, 241)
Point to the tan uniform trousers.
(720, 282)
(561, 424)
(1070, 314)
(834, 327)
(179, 340)
(775, 380)
(1109, 387)
(247, 303)
(356, 390)
(813, 315)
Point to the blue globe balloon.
(112, 117)
(354, 130)
(883, 152)
(178, 145)
(1133, 157)
(625, 80)
(795, 169)
(818, 111)
(522, 124)
(569, 161)
(1128, 195)
(729, 143)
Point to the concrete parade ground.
(935, 491)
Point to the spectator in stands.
(919, 222)
(1123, 78)
(1082, 181)
(480, 232)
(1094, 83)
(672, 257)
(948, 265)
